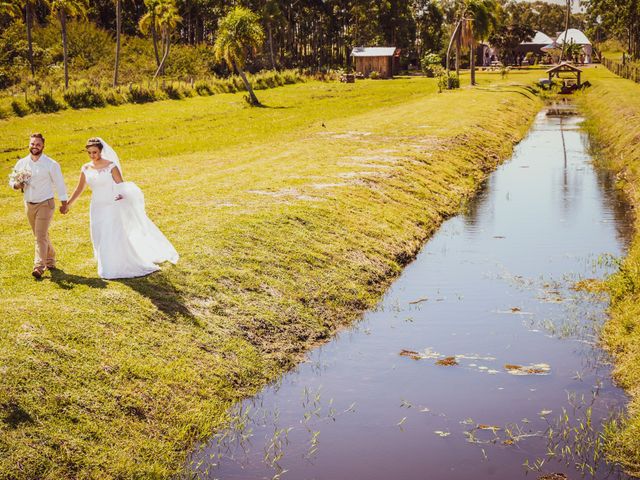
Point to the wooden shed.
(384, 60)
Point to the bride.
(126, 243)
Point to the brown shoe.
(52, 267)
(37, 272)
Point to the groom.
(38, 199)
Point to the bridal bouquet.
(20, 176)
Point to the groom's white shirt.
(45, 174)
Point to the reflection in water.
(482, 359)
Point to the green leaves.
(239, 34)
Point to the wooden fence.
(631, 72)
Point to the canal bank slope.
(612, 109)
(290, 222)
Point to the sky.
(575, 7)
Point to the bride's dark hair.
(94, 142)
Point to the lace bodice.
(101, 182)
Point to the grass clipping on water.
(612, 109)
(290, 222)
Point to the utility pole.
(566, 29)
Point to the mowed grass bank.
(290, 221)
(612, 107)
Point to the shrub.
(85, 97)
(374, 75)
(238, 84)
(290, 77)
(20, 108)
(431, 64)
(448, 81)
(140, 94)
(114, 97)
(173, 92)
(203, 88)
(45, 103)
(4, 113)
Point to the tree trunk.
(273, 58)
(472, 61)
(65, 54)
(253, 100)
(451, 40)
(164, 57)
(458, 47)
(118, 29)
(154, 36)
(29, 21)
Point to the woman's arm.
(116, 175)
(117, 178)
(82, 183)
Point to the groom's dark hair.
(37, 135)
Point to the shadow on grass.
(15, 415)
(67, 281)
(161, 292)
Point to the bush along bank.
(612, 109)
(84, 95)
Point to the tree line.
(314, 34)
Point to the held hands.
(118, 197)
(64, 208)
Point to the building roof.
(539, 38)
(574, 36)
(373, 51)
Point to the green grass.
(291, 220)
(612, 107)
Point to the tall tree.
(13, 9)
(118, 30)
(168, 19)
(149, 24)
(239, 35)
(65, 9)
(475, 21)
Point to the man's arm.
(58, 180)
(16, 186)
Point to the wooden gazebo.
(568, 73)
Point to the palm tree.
(65, 9)
(118, 29)
(166, 14)
(13, 9)
(149, 24)
(476, 20)
(239, 34)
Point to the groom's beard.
(35, 151)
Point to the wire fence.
(631, 72)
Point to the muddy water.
(492, 288)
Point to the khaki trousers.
(40, 215)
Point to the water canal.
(493, 289)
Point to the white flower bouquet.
(20, 177)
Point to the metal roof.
(373, 51)
(539, 39)
(574, 36)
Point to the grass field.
(613, 109)
(290, 221)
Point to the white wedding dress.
(126, 243)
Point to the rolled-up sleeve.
(58, 180)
